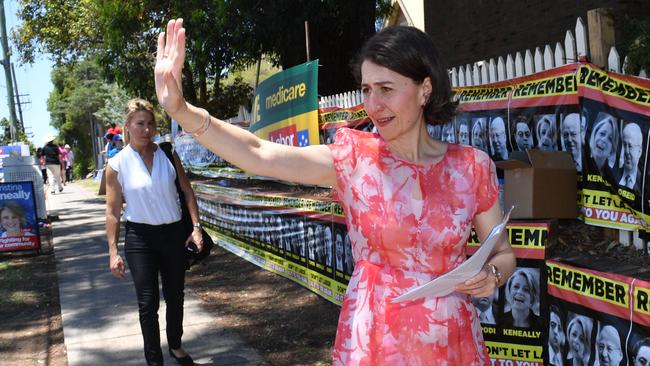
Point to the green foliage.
(222, 35)
(80, 99)
(229, 97)
(639, 50)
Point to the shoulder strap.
(167, 149)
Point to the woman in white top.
(155, 240)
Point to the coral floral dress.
(395, 249)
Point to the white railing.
(542, 58)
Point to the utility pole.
(7, 64)
(21, 122)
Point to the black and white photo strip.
(321, 245)
(581, 336)
(616, 145)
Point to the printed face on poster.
(18, 223)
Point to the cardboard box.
(540, 184)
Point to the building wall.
(472, 30)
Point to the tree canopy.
(222, 35)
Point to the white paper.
(445, 284)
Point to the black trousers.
(152, 250)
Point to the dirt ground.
(288, 324)
(31, 331)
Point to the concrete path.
(100, 315)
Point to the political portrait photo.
(573, 127)
(557, 341)
(579, 339)
(522, 299)
(479, 133)
(498, 138)
(18, 222)
(328, 135)
(603, 141)
(340, 232)
(630, 166)
(448, 133)
(546, 132)
(522, 135)
(463, 130)
(609, 346)
(639, 345)
(487, 308)
(434, 131)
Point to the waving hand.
(170, 57)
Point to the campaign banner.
(18, 222)
(512, 317)
(593, 318)
(285, 109)
(617, 112)
(332, 118)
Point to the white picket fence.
(491, 71)
(542, 58)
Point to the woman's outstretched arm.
(307, 165)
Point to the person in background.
(114, 129)
(64, 157)
(399, 240)
(108, 145)
(155, 241)
(69, 161)
(118, 144)
(41, 163)
(53, 164)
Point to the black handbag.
(192, 255)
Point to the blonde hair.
(133, 106)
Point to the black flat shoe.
(183, 361)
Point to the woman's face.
(520, 292)
(9, 220)
(603, 141)
(576, 339)
(141, 126)
(393, 101)
(477, 139)
(545, 136)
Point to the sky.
(34, 85)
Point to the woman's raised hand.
(170, 57)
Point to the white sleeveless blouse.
(150, 198)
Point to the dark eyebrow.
(380, 83)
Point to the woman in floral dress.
(410, 201)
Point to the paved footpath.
(100, 316)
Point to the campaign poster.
(18, 222)
(512, 317)
(481, 121)
(331, 119)
(616, 109)
(285, 109)
(589, 317)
